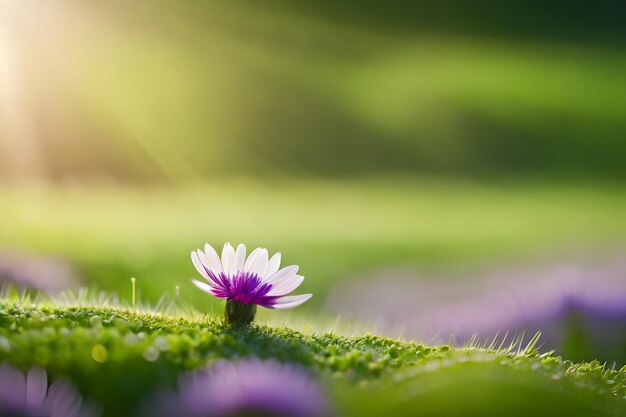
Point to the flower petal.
(273, 265)
(240, 258)
(291, 301)
(286, 286)
(228, 259)
(257, 262)
(36, 387)
(203, 286)
(211, 259)
(64, 400)
(282, 275)
(195, 259)
(13, 381)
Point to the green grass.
(118, 358)
(334, 230)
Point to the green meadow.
(333, 230)
(354, 138)
(122, 359)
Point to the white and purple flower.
(247, 282)
(29, 396)
(248, 387)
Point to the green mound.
(118, 358)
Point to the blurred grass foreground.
(450, 174)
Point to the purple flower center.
(245, 287)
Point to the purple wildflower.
(29, 396)
(249, 387)
(48, 274)
(579, 306)
(246, 283)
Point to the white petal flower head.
(247, 282)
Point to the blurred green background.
(175, 91)
(347, 135)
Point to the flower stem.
(133, 283)
(239, 314)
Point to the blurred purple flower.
(585, 298)
(48, 274)
(246, 283)
(249, 387)
(29, 396)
